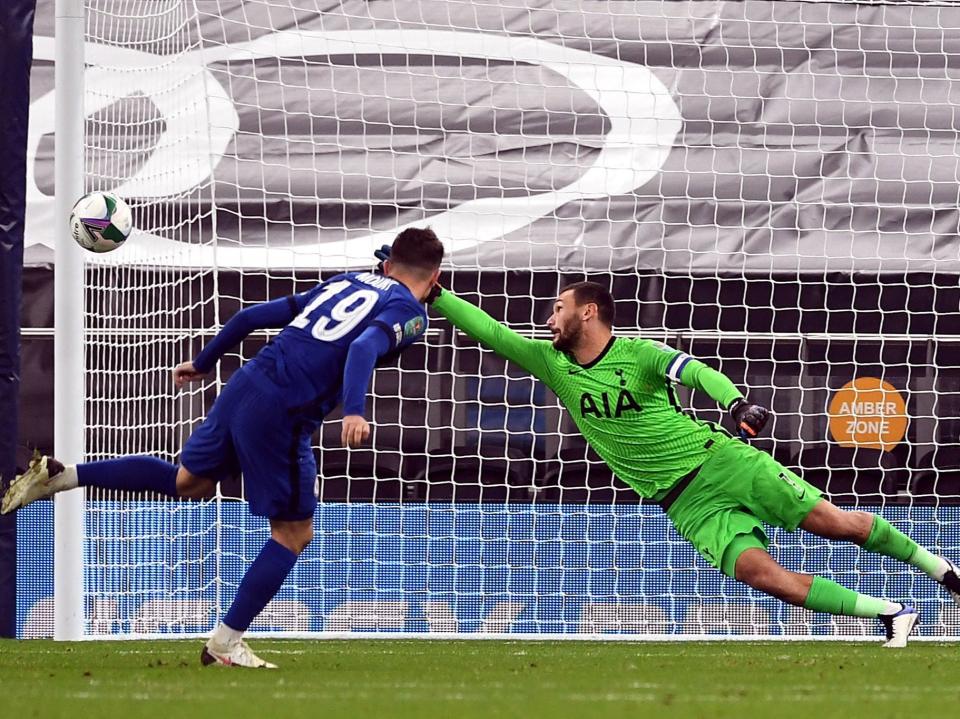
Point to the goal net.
(769, 186)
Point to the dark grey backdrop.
(812, 188)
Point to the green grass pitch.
(461, 679)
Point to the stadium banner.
(550, 569)
(797, 141)
(16, 21)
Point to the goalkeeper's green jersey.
(623, 402)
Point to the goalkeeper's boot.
(234, 654)
(898, 626)
(41, 480)
(951, 582)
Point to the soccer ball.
(100, 222)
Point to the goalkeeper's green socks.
(829, 597)
(889, 541)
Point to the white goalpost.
(69, 321)
(757, 187)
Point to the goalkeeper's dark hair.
(417, 249)
(586, 293)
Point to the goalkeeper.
(717, 490)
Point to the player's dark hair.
(590, 292)
(418, 249)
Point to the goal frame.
(69, 318)
(70, 614)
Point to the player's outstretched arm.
(699, 376)
(530, 354)
(748, 418)
(372, 344)
(275, 313)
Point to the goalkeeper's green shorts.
(738, 489)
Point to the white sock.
(224, 635)
(67, 479)
(930, 564)
(943, 566)
(892, 608)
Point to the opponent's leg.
(876, 534)
(46, 476)
(757, 568)
(258, 586)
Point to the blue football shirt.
(305, 362)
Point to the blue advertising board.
(170, 567)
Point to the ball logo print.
(868, 412)
(100, 222)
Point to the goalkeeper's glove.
(750, 419)
(383, 254)
(433, 294)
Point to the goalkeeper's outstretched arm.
(748, 418)
(530, 354)
(699, 376)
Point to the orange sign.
(868, 412)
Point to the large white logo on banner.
(201, 120)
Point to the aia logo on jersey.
(602, 406)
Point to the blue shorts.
(249, 429)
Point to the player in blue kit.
(333, 336)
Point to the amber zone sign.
(868, 412)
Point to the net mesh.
(770, 187)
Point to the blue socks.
(132, 474)
(149, 474)
(259, 585)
